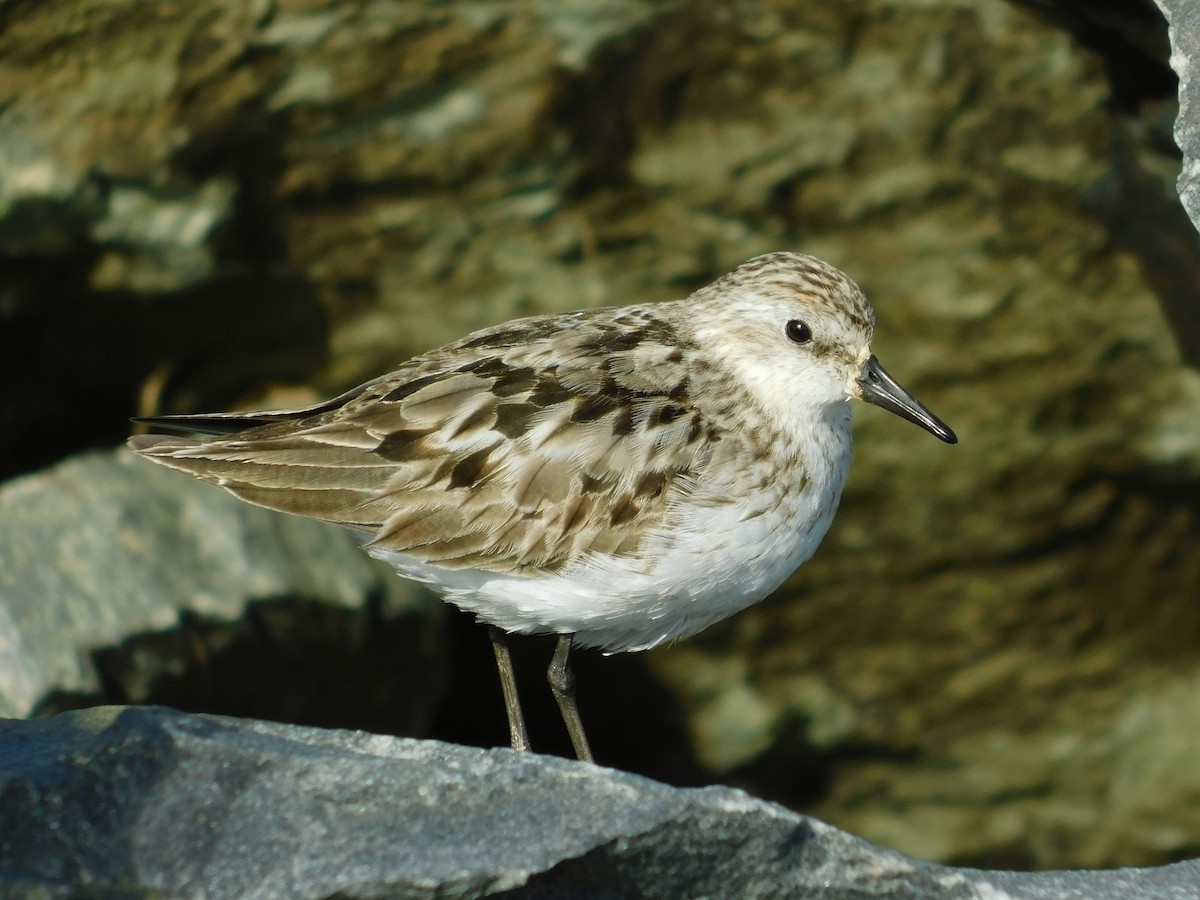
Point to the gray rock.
(149, 801)
(107, 546)
(1183, 20)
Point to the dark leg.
(508, 684)
(562, 683)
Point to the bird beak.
(880, 388)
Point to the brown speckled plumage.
(515, 450)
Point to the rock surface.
(1183, 19)
(117, 575)
(992, 658)
(152, 802)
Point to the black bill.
(880, 388)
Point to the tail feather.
(215, 423)
(233, 422)
(309, 478)
(262, 457)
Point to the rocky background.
(994, 659)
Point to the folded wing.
(517, 450)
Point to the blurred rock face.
(990, 658)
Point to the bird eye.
(798, 331)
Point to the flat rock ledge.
(146, 801)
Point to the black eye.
(798, 331)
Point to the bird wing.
(519, 449)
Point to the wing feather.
(520, 449)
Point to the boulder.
(120, 580)
(152, 802)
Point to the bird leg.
(562, 684)
(508, 684)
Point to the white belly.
(708, 562)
